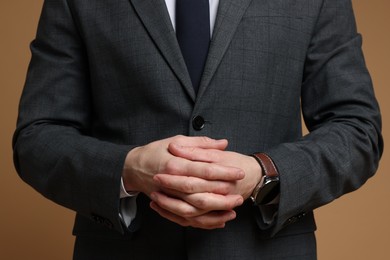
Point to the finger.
(214, 219)
(210, 220)
(208, 171)
(194, 153)
(175, 205)
(200, 141)
(192, 205)
(190, 184)
(208, 201)
(169, 215)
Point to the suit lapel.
(155, 17)
(228, 18)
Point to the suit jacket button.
(198, 123)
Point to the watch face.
(268, 192)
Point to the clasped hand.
(192, 181)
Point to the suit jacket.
(106, 76)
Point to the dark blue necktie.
(193, 35)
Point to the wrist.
(129, 172)
(268, 188)
(254, 172)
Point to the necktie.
(193, 35)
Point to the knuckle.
(223, 188)
(208, 172)
(188, 186)
(199, 222)
(228, 188)
(215, 155)
(191, 153)
(179, 138)
(188, 213)
(216, 222)
(201, 203)
(171, 166)
(205, 139)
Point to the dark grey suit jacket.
(106, 76)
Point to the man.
(160, 162)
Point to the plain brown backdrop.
(356, 226)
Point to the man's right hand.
(144, 162)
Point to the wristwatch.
(269, 187)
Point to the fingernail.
(153, 205)
(239, 202)
(153, 196)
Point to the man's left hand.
(197, 200)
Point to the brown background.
(356, 226)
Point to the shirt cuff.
(128, 205)
(128, 210)
(124, 193)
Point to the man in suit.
(158, 162)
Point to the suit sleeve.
(53, 148)
(340, 110)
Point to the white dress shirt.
(128, 205)
(171, 6)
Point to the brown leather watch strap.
(267, 165)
